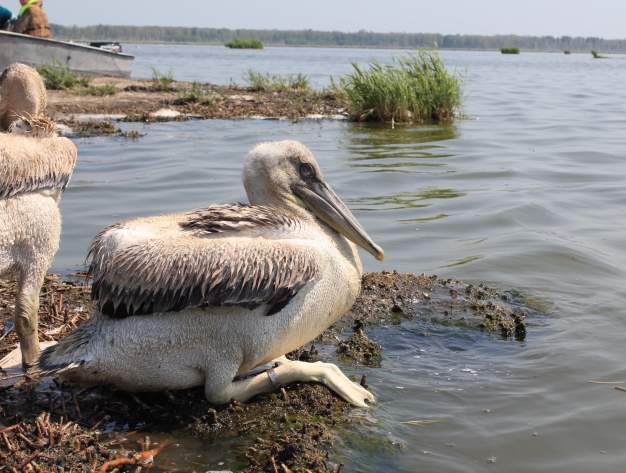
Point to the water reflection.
(423, 219)
(381, 134)
(400, 149)
(405, 200)
(462, 261)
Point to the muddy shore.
(135, 100)
(56, 428)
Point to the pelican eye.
(306, 170)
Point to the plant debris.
(45, 426)
(136, 101)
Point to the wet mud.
(48, 427)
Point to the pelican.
(35, 168)
(197, 298)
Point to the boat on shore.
(80, 58)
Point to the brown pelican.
(199, 297)
(35, 167)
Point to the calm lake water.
(528, 195)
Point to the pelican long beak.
(329, 208)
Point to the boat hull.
(81, 59)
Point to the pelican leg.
(325, 373)
(27, 314)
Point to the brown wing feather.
(158, 274)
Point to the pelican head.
(22, 93)
(284, 174)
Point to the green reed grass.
(240, 43)
(196, 94)
(161, 81)
(259, 82)
(509, 50)
(59, 77)
(567, 51)
(416, 87)
(595, 54)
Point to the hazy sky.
(602, 18)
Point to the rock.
(165, 113)
(245, 98)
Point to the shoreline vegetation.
(240, 43)
(414, 88)
(360, 39)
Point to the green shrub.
(595, 54)
(240, 43)
(259, 82)
(567, 51)
(59, 77)
(161, 81)
(509, 50)
(416, 87)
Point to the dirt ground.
(135, 100)
(48, 427)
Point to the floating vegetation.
(567, 51)
(97, 128)
(509, 50)
(240, 43)
(595, 54)
(416, 87)
(259, 82)
(161, 81)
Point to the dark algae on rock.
(391, 296)
(48, 427)
(359, 349)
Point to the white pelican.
(196, 298)
(35, 167)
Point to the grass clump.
(101, 91)
(196, 94)
(509, 50)
(595, 54)
(60, 77)
(567, 51)
(416, 87)
(240, 43)
(161, 81)
(259, 82)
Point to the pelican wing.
(219, 256)
(29, 164)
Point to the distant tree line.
(364, 39)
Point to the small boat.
(80, 58)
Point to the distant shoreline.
(335, 39)
(189, 43)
